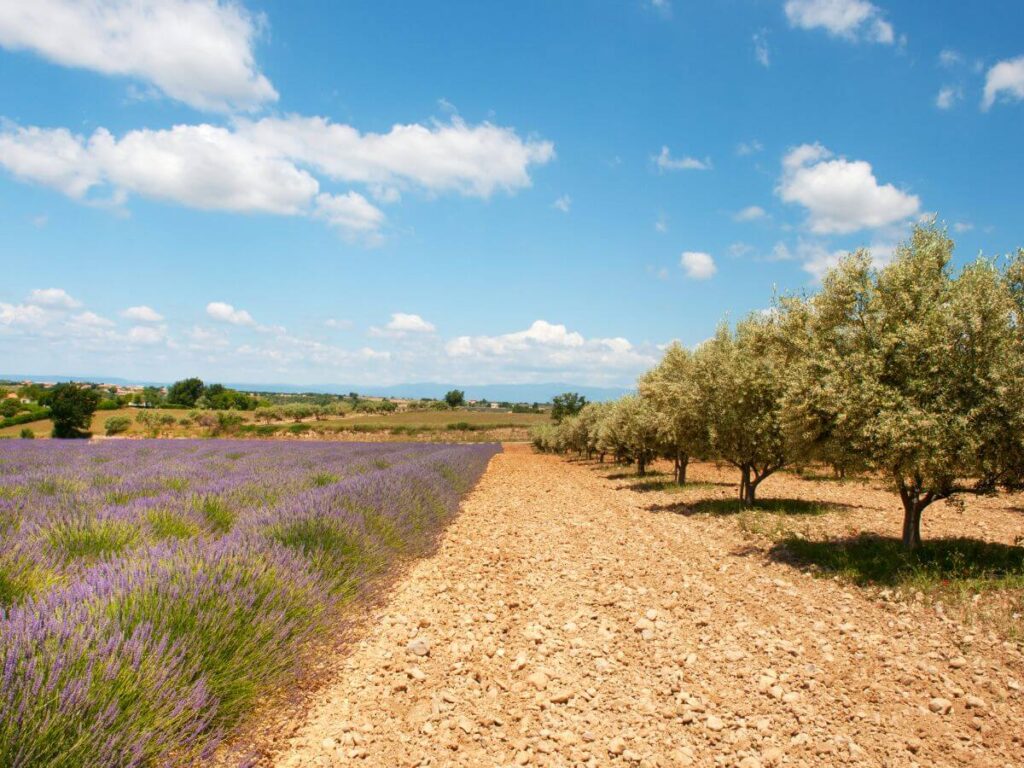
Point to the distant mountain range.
(514, 393)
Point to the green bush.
(115, 425)
(27, 434)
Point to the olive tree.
(674, 390)
(743, 387)
(913, 372)
(629, 431)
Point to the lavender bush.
(150, 590)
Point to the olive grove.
(912, 372)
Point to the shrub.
(26, 434)
(115, 425)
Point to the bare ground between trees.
(573, 620)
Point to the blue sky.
(365, 193)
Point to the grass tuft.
(90, 539)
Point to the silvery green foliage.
(911, 370)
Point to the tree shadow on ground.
(869, 559)
(723, 507)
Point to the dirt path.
(562, 623)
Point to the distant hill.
(515, 393)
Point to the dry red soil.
(567, 619)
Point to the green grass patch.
(320, 479)
(165, 524)
(218, 515)
(331, 547)
(90, 539)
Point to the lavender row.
(151, 590)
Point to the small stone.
(328, 743)
(714, 723)
(957, 662)
(418, 646)
(975, 702)
(538, 680)
(617, 746)
(522, 757)
(750, 762)
(416, 674)
(913, 744)
(561, 697)
(772, 756)
(940, 706)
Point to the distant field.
(443, 418)
(419, 421)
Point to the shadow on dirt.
(723, 507)
(869, 559)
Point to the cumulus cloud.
(403, 323)
(697, 265)
(1004, 81)
(750, 213)
(849, 19)
(226, 313)
(142, 314)
(146, 335)
(92, 319)
(666, 162)
(199, 52)
(265, 166)
(841, 195)
(55, 298)
(475, 160)
(350, 212)
(546, 347)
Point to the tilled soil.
(568, 621)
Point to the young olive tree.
(674, 390)
(743, 382)
(912, 372)
(629, 431)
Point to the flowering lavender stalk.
(151, 590)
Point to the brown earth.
(568, 619)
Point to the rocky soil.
(567, 620)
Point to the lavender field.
(151, 590)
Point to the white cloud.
(697, 265)
(199, 52)
(840, 195)
(350, 212)
(53, 298)
(751, 147)
(338, 325)
(21, 314)
(948, 96)
(963, 226)
(226, 313)
(664, 7)
(402, 322)
(849, 19)
(1004, 80)
(666, 162)
(255, 167)
(473, 160)
(750, 213)
(142, 314)
(92, 319)
(761, 51)
(950, 58)
(661, 223)
(545, 347)
(563, 204)
(146, 335)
